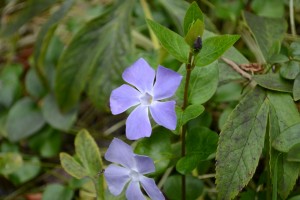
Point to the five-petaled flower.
(132, 170)
(147, 93)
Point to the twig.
(292, 20)
(237, 68)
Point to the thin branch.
(292, 19)
(237, 68)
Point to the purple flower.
(147, 93)
(131, 171)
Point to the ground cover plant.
(164, 99)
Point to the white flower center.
(135, 176)
(146, 99)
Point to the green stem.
(189, 67)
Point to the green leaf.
(200, 143)
(158, 147)
(46, 142)
(273, 82)
(266, 31)
(172, 187)
(88, 58)
(88, 153)
(213, 48)
(278, 58)
(10, 162)
(28, 171)
(203, 83)
(31, 8)
(57, 192)
(268, 8)
(193, 14)
(171, 41)
(71, 166)
(288, 138)
(195, 31)
(53, 116)
(191, 112)
(290, 70)
(240, 144)
(24, 119)
(296, 88)
(293, 154)
(228, 92)
(44, 37)
(33, 84)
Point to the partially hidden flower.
(146, 91)
(131, 172)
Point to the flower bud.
(198, 44)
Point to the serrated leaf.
(288, 138)
(171, 41)
(57, 192)
(290, 70)
(203, 83)
(273, 82)
(200, 143)
(158, 147)
(57, 119)
(88, 153)
(10, 162)
(71, 166)
(191, 112)
(172, 187)
(240, 144)
(30, 10)
(296, 88)
(266, 31)
(213, 48)
(195, 31)
(94, 45)
(193, 14)
(24, 119)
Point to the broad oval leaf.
(240, 144)
(171, 41)
(290, 70)
(10, 162)
(273, 82)
(193, 14)
(24, 119)
(88, 153)
(296, 88)
(288, 138)
(191, 112)
(213, 48)
(57, 191)
(71, 166)
(33, 84)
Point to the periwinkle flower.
(132, 170)
(146, 91)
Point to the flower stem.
(189, 67)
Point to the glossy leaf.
(10, 162)
(203, 83)
(53, 116)
(57, 192)
(195, 31)
(296, 88)
(240, 144)
(273, 82)
(213, 48)
(24, 119)
(90, 54)
(200, 143)
(266, 31)
(88, 153)
(171, 41)
(158, 147)
(193, 14)
(288, 138)
(290, 70)
(172, 187)
(191, 112)
(72, 166)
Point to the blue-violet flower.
(147, 93)
(132, 170)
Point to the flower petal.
(121, 153)
(166, 83)
(123, 98)
(140, 75)
(144, 164)
(138, 123)
(151, 188)
(116, 178)
(164, 114)
(134, 192)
